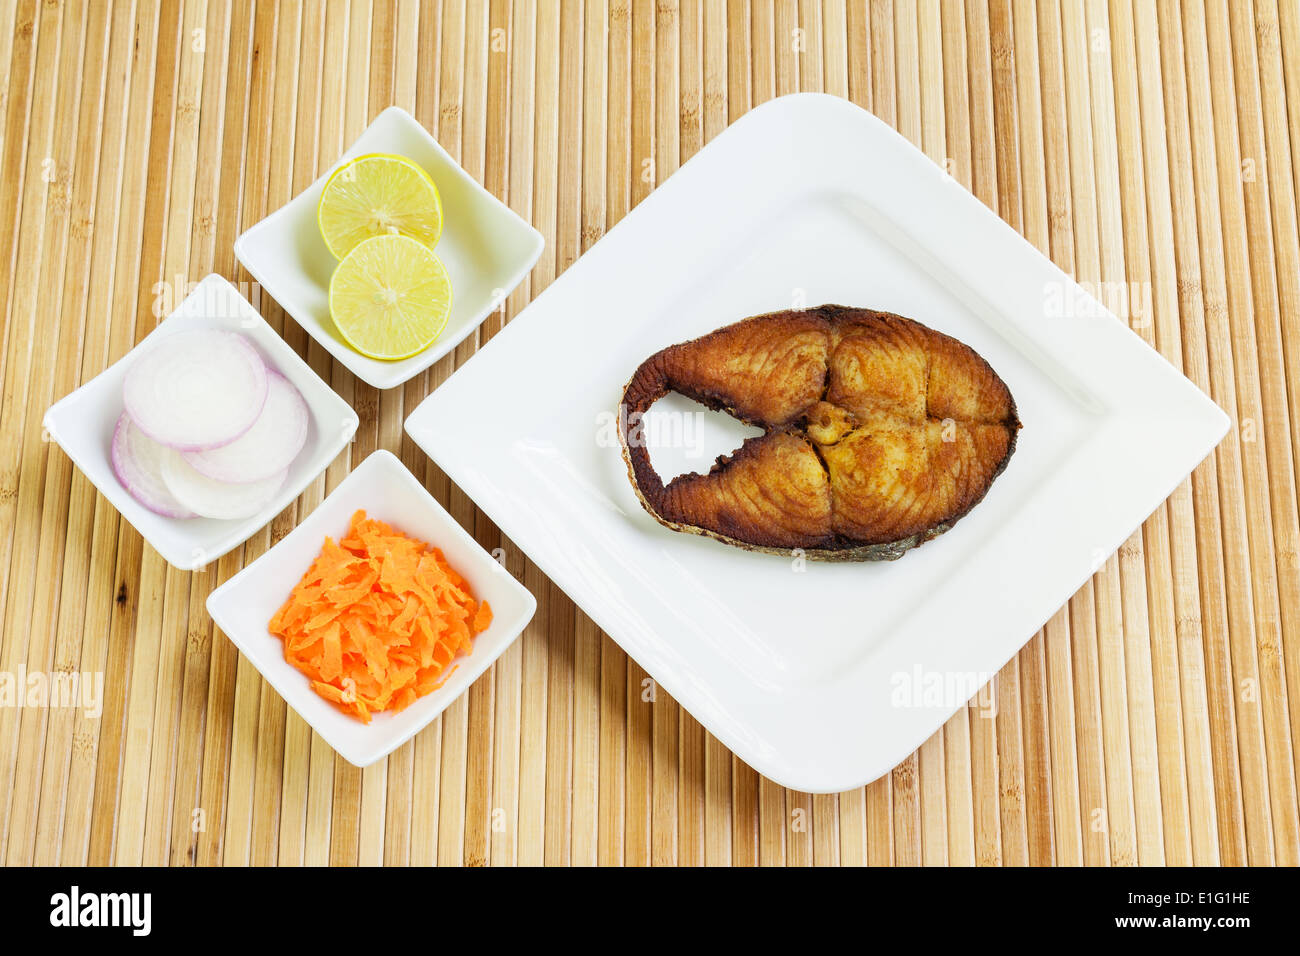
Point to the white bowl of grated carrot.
(312, 618)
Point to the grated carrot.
(377, 619)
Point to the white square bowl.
(381, 485)
(82, 425)
(817, 675)
(485, 246)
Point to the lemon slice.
(378, 194)
(390, 297)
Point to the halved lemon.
(375, 195)
(390, 297)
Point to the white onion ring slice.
(137, 462)
(196, 389)
(217, 499)
(269, 446)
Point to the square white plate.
(82, 424)
(382, 486)
(820, 676)
(485, 246)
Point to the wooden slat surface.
(1147, 147)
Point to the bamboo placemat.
(1146, 147)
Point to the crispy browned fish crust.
(880, 433)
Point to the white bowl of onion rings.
(206, 430)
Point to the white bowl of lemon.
(394, 256)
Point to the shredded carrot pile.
(377, 619)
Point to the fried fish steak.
(879, 433)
